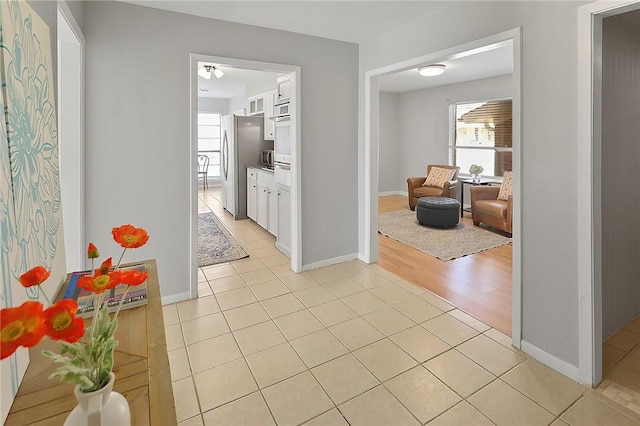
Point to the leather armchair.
(486, 208)
(417, 191)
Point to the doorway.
(370, 252)
(296, 224)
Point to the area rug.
(215, 242)
(445, 244)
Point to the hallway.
(349, 344)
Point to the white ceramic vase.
(100, 408)
(476, 177)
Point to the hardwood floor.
(479, 284)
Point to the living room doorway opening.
(397, 111)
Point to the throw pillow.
(506, 189)
(438, 177)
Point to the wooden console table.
(141, 366)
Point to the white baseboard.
(284, 250)
(561, 366)
(328, 262)
(382, 194)
(173, 298)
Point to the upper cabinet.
(283, 90)
(269, 124)
(256, 105)
(263, 104)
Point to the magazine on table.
(136, 296)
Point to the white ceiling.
(350, 21)
(491, 63)
(232, 83)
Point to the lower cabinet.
(262, 199)
(252, 198)
(284, 221)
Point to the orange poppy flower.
(92, 251)
(128, 236)
(133, 277)
(61, 322)
(21, 326)
(99, 282)
(105, 266)
(34, 276)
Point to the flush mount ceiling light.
(205, 72)
(431, 70)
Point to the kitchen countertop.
(261, 169)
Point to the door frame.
(589, 188)
(369, 219)
(75, 236)
(296, 182)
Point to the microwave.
(267, 158)
(282, 110)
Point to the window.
(209, 141)
(481, 133)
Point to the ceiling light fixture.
(432, 70)
(205, 72)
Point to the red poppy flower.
(133, 277)
(99, 282)
(92, 251)
(105, 267)
(21, 326)
(34, 276)
(61, 322)
(128, 236)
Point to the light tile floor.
(621, 367)
(351, 344)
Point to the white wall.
(422, 122)
(239, 102)
(549, 145)
(391, 144)
(138, 128)
(220, 106)
(266, 83)
(620, 154)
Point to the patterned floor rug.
(445, 244)
(215, 242)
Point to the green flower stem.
(121, 302)
(45, 295)
(120, 260)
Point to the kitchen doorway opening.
(369, 221)
(196, 60)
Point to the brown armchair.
(486, 208)
(416, 190)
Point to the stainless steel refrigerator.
(242, 143)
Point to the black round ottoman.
(438, 211)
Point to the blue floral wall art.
(30, 211)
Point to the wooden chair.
(417, 191)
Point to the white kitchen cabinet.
(262, 199)
(263, 206)
(283, 89)
(252, 194)
(269, 124)
(272, 214)
(284, 221)
(256, 105)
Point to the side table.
(470, 181)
